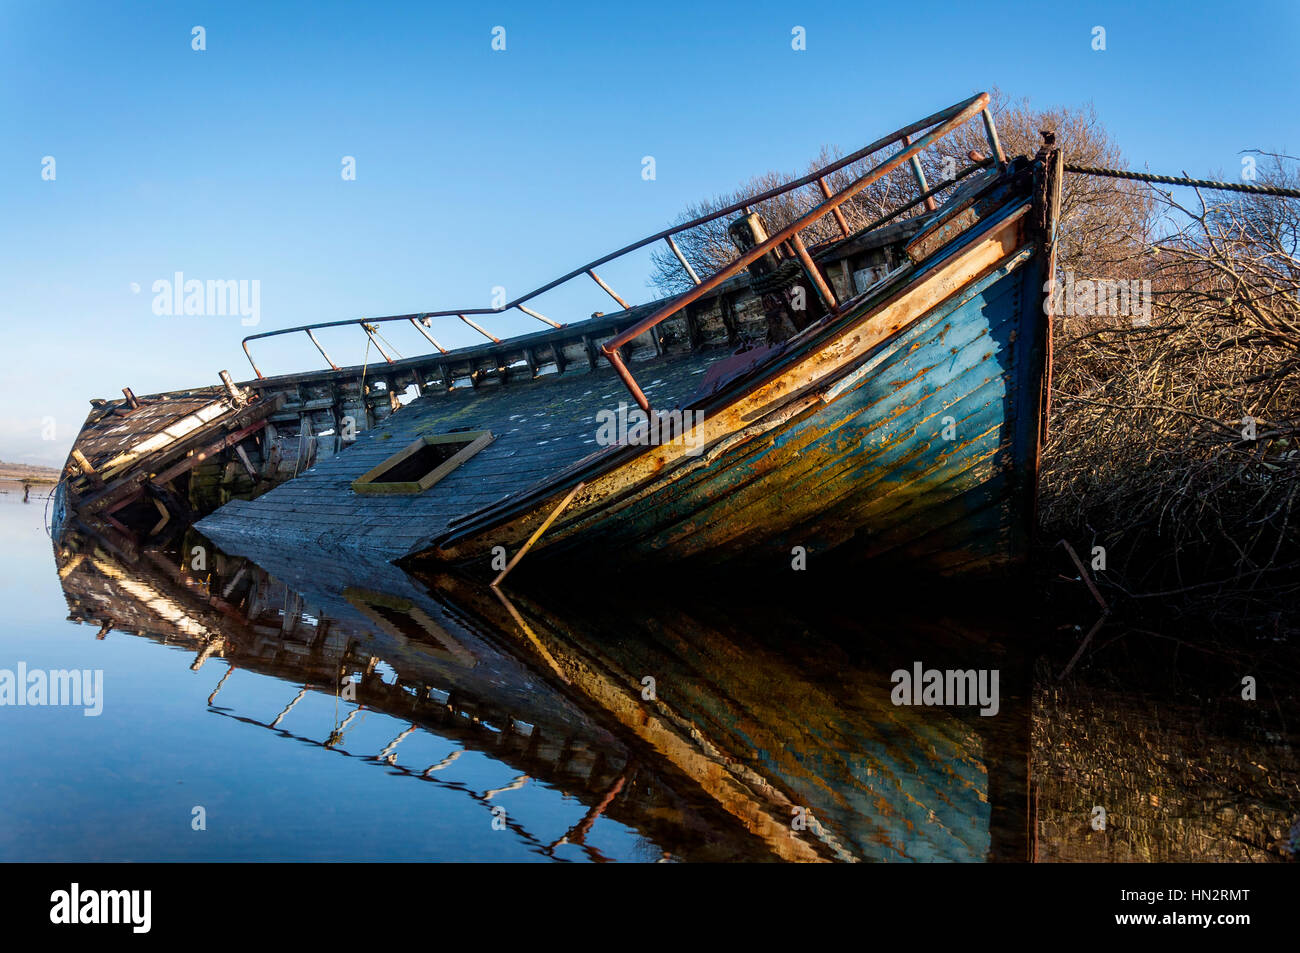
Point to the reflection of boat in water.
(772, 719)
(395, 654)
(878, 394)
(747, 750)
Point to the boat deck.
(540, 428)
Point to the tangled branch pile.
(1175, 432)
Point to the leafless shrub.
(1101, 220)
(1175, 444)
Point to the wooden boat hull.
(908, 430)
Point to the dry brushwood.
(1175, 443)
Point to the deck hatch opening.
(423, 463)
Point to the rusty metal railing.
(938, 126)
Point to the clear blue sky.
(477, 168)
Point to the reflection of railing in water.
(317, 653)
(576, 834)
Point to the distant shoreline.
(20, 473)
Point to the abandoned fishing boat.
(877, 394)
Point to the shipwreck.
(879, 395)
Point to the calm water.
(319, 708)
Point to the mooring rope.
(1177, 180)
(49, 525)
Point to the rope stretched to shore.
(1177, 180)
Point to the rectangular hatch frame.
(377, 481)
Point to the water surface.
(318, 707)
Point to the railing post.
(991, 132)
(919, 174)
(251, 363)
(628, 381)
(814, 274)
(370, 333)
(596, 278)
(839, 215)
(432, 340)
(491, 337)
(289, 707)
(695, 279)
(540, 317)
(319, 348)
